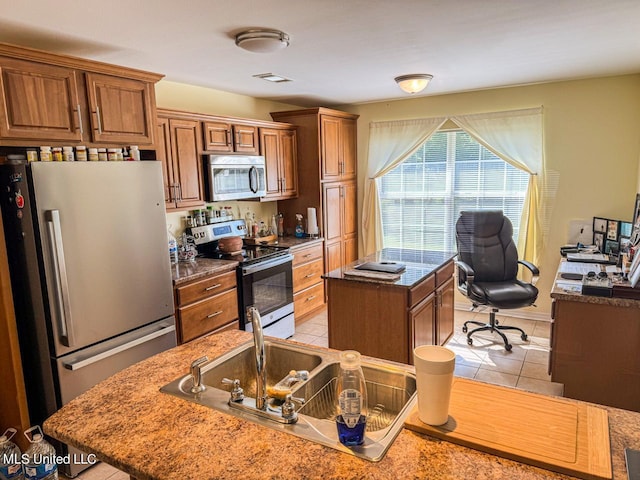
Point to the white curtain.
(389, 144)
(516, 137)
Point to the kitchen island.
(388, 315)
(128, 423)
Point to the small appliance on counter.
(264, 275)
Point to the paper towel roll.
(312, 221)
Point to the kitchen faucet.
(261, 358)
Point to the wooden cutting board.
(551, 433)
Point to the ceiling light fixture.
(262, 40)
(413, 83)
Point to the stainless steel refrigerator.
(90, 274)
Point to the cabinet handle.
(284, 184)
(215, 314)
(179, 190)
(99, 121)
(307, 255)
(310, 275)
(80, 119)
(212, 287)
(311, 298)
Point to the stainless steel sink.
(390, 389)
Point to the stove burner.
(249, 254)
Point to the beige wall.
(178, 96)
(592, 139)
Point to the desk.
(388, 319)
(595, 348)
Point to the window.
(422, 197)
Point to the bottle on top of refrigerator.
(10, 457)
(351, 391)
(40, 456)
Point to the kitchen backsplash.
(262, 211)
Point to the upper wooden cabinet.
(179, 149)
(338, 141)
(224, 136)
(278, 146)
(120, 109)
(53, 98)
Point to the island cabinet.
(278, 146)
(53, 98)
(223, 135)
(179, 148)
(206, 305)
(326, 143)
(388, 318)
(308, 286)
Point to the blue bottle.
(351, 420)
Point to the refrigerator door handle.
(60, 278)
(85, 362)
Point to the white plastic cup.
(434, 376)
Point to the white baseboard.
(516, 313)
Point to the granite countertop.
(184, 272)
(295, 242)
(419, 265)
(128, 423)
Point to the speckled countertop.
(419, 265)
(295, 242)
(183, 272)
(127, 422)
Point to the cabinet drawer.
(422, 290)
(208, 315)
(205, 288)
(444, 274)
(307, 254)
(308, 300)
(306, 275)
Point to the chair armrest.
(467, 273)
(534, 270)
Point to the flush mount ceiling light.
(262, 40)
(413, 83)
(272, 77)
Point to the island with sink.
(133, 422)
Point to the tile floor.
(486, 360)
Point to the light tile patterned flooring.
(486, 360)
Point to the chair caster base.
(469, 341)
(524, 337)
(464, 329)
(508, 347)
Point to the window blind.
(422, 197)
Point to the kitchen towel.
(312, 221)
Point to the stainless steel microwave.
(235, 177)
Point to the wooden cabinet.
(55, 98)
(326, 145)
(338, 140)
(308, 286)
(179, 148)
(595, 349)
(207, 305)
(388, 320)
(120, 109)
(278, 146)
(340, 227)
(224, 136)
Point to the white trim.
(516, 313)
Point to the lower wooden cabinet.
(389, 321)
(206, 305)
(308, 286)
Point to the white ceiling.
(342, 51)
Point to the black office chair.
(487, 269)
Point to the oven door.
(268, 286)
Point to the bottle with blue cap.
(10, 457)
(351, 420)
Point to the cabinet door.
(217, 137)
(422, 320)
(332, 200)
(120, 109)
(289, 163)
(332, 255)
(246, 139)
(444, 297)
(270, 141)
(331, 147)
(349, 209)
(163, 154)
(349, 156)
(187, 167)
(39, 102)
